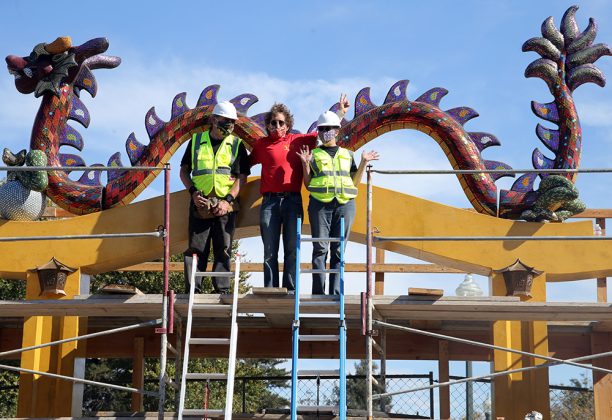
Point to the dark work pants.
(325, 223)
(204, 233)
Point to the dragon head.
(49, 66)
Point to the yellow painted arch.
(395, 214)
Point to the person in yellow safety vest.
(214, 168)
(331, 177)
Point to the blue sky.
(305, 54)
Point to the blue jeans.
(325, 223)
(279, 213)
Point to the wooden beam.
(138, 360)
(349, 267)
(602, 282)
(602, 383)
(379, 276)
(443, 376)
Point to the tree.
(574, 403)
(9, 380)
(356, 389)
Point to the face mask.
(328, 136)
(277, 134)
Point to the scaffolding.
(367, 313)
(164, 324)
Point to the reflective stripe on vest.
(331, 178)
(213, 170)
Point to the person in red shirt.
(281, 185)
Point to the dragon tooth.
(585, 39)
(70, 137)
(153, 123)
(85, 79)
(550, 138)
(524, 183)
(208, 96)
(134, 148)
(544, 69)
(68, 159)
(243, 102)
(363, 103)
(587, 73)
(462, 114)
(260, 120)
(179, 105)
(397, 92)
(433, 96)
(540, 161)
(484, 140)
(550, 32)
(79, 112)
(91, 177)
(543, 47)
(547, 111)
(588, 55)
(569, 27)
(115, 160)
(493, 164)
(312, 127)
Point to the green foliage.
(9, 383)
(356, 389)
(12, 289)
(574, 404)
(9, 380)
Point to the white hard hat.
(328, 119)
(225, 109)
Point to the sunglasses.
(326, 128)
(277, 123)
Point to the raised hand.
(368, 156)
(344, 104)
(305, 155)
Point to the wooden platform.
(386, 307)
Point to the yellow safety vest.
(331, 178)
(211, 170)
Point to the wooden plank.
(443, 374)
(269, 291)
(419, 291)
(389, 307)
(349, 268)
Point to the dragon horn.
(60, 45)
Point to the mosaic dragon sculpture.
(59, 72)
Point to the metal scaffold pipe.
(489, 346)
(491, 171)
(157, 234)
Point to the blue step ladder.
(340, 337)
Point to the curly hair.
(280, 109)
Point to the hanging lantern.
(52, 277)
(519, 278)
